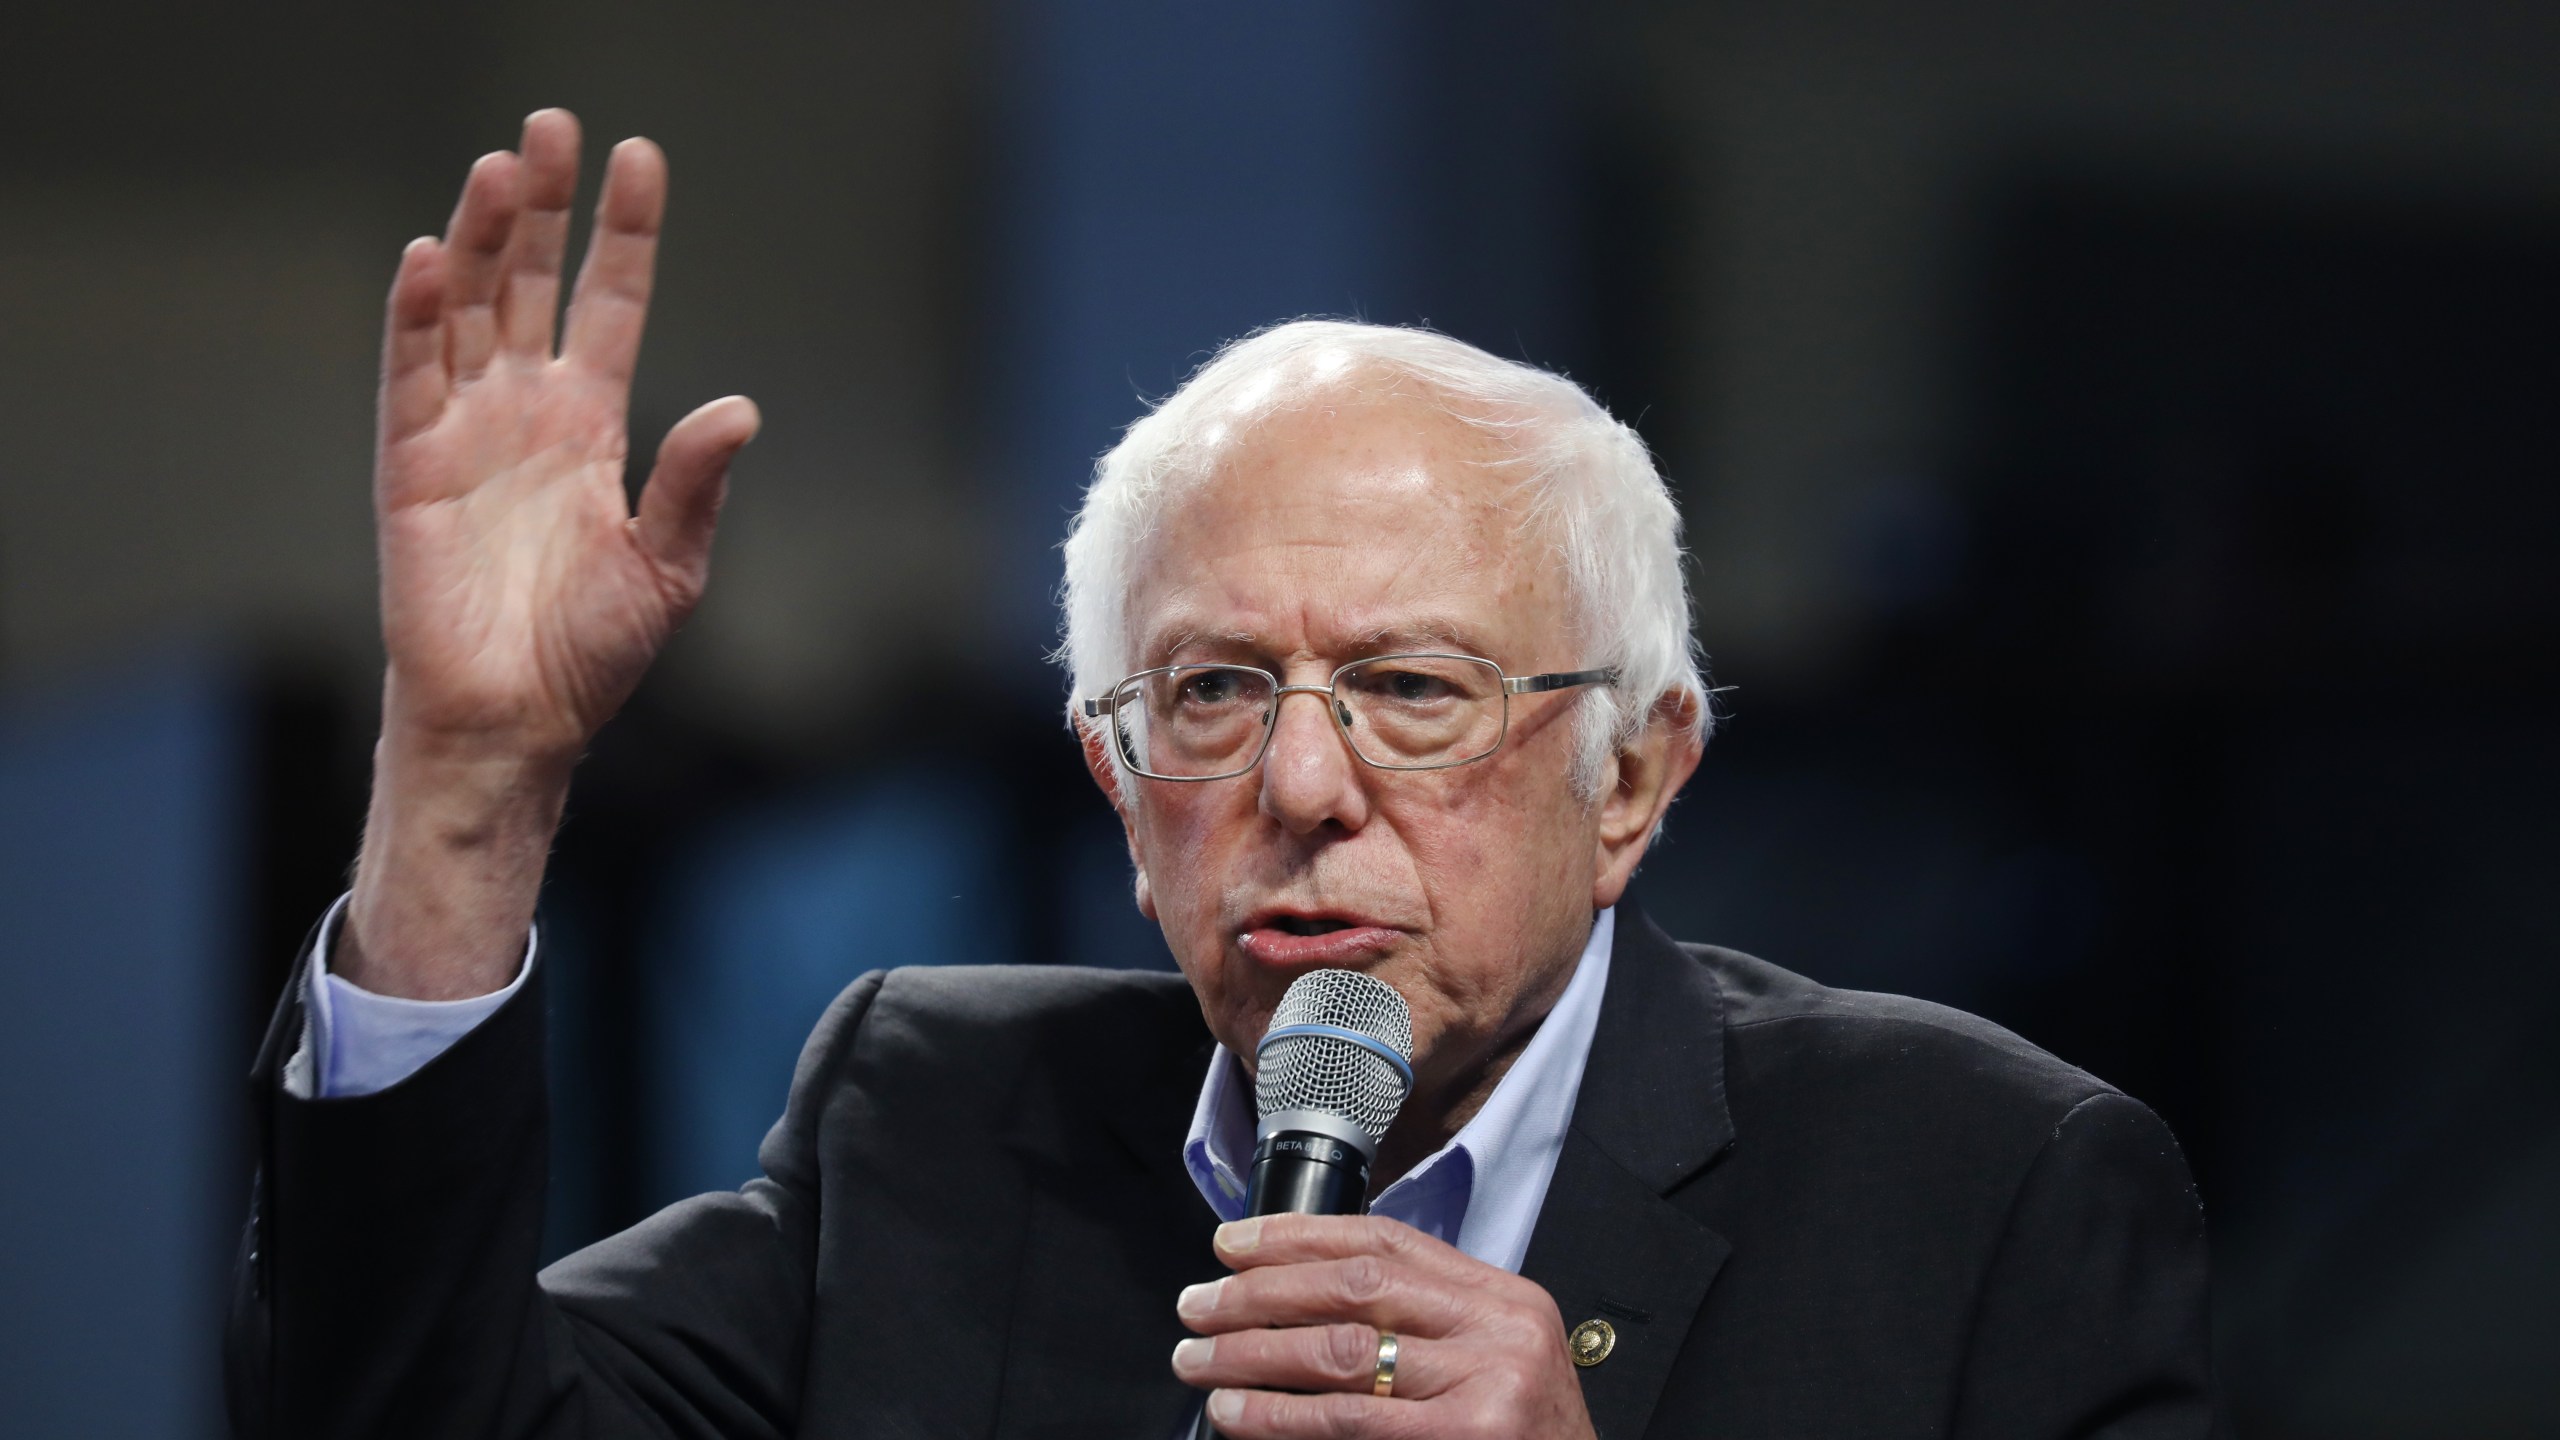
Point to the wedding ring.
(1385, 1384)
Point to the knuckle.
(1348, 1352)
(1494, 1421)
(1418, 1421)
(1522, 1329)
(1331, 1234)
(1364, 1278)
(1456, 1417)
(1542, 1309)
(1334, 1420)
(1285, 1414)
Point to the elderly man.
(1380, 652)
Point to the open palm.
(522, 598)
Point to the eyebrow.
(1162, 648)
(1424, 633)
(1421, 633)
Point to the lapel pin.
(1591, 1342)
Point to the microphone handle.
(1297, 1172)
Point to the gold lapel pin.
(1591, 1342)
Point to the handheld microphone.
(1330, 1074)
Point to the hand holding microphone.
(1339, 1323)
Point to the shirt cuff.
(355, 1042)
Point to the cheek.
(1492, 850)
(1180, 836)
(1509, 877)
(1474, 856)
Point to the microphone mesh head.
(1328, 1073)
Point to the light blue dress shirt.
(1480, 1192)
(355, 1042)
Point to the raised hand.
(522, 599)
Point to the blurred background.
(2117, 444)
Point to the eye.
(1212, 688)
(1409, 687)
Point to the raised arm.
(386, 1283)
(522, 598)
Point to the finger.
(1364, 1289)
(1312, 1357)
(612, 300)
(1295, 1239)
(413, 374)
(475, 243)
(680, 506)
(529, 296)
(1263, 1415)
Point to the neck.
(1448, 1096)
(1429, 1121)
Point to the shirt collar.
(1482, 1190)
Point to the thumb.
(681, 503)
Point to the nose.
(1309, 776)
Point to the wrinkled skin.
(522, 595)
(1353, 523)
(522, 599)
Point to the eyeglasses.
(1397, 712)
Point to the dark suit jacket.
(1807, 1212)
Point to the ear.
(1097, 763)
(1643, 779)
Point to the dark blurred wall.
(2113, 444)
(199, 208)
(122, 886)
(2122, 480)
(1835, 160)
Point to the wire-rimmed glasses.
(1419, 711)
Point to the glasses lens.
(1193, 721)
(1411, 711)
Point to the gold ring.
(1385, 1384)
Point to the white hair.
(1587, 479)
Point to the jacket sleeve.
(387, 1283)
(2092, 1318)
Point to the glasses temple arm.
(1557, 680)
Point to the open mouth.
(1304, 925)
(1295, 942)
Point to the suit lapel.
(1650, 1116)
(1113, 1228)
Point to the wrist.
(464, 774)
(455, 843)
(502, 742)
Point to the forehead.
(1344, 524)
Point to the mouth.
(1308, 939)
(1307, 924)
